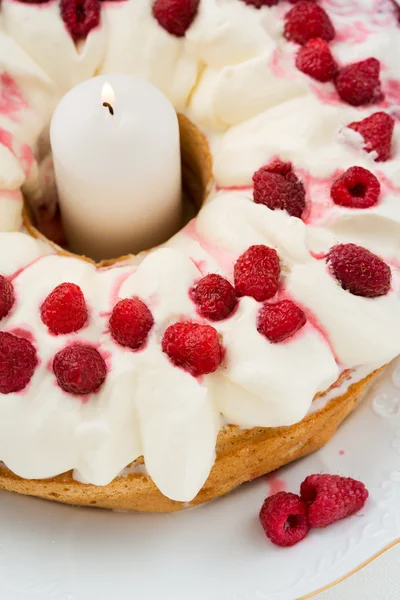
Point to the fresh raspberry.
(281, 320)
(331, 498)
(256, 273)
(79, 369)
(261, 3)
(359, 83)
(130, 323)
(276, 186)
(80, 16)
(356, 188)
(305, 21)
(195, 348)
(315, 59)
(64, 310)
(377, 131)
(18, 361)
(175, 16)
(7, 297)
(215, 297)
(359, 271)
(284, 518)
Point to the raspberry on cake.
(306, 21)
(79, 369)
(215, 297)
(359, 271)
(7, 298)
(64, 310)
(315, 59)
(131, 322)
(277, 186)
(377, 131)
(80, 16)
(280, 321)
(175, 16)
(359, 84)
(356, 188)
(194, 347)
(18, 360)
(256, 273)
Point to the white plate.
(215, 552)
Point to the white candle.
(115, 142)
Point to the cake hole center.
(42, 216)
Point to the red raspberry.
(277, 187)
(18, 361)
(130, 323)
(331, 497)
(359, 83)
(359, 271)
(80, 16)
(215, 297)
(64, 310)
(175, 16)
(315, 59)
(261, 3)
(284, 518)
(297, 1)
(195, 348)
(281, 320)
(305, 21)
(377, 131)
(79, 369)
(356, 188)
(7, 297)
(256, 273)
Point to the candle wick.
(110, 108)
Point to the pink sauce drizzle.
(275, 484)
(223, 258)
(12, 100)
(23, 153)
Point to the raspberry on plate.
(64, 310)
(18, 361)
(256, 273)
(315, 59)
(215, 297)
(356, 188)
(377, 131)
(79, 369)
(305, 21)
(281, 320)
(359, 84)
(131, 322)
(284, 518)
(331, 498)
(80, 16)
(277, 187)
(194, 347)
(175, 16)
(7, 297)
(359, 271)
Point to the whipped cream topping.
(234, 76)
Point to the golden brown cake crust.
(242, 455)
